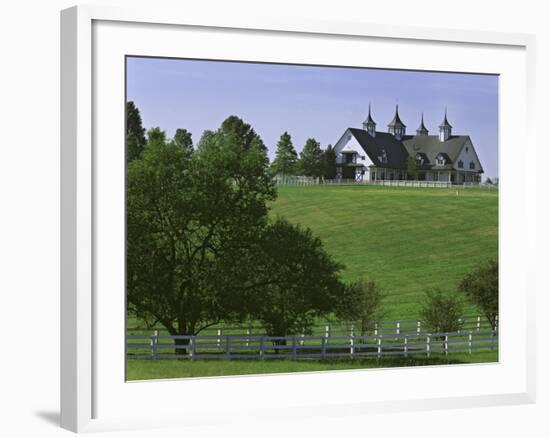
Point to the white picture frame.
(91, 390)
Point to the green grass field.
(166, 369)
(408, 239)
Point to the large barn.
(370, 155)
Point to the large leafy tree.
(329, 163)
(311, 158)
(299, 280)
(481, 289)
(285, 156)
(135, 133)
(191, 224)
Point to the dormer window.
(461, 164)
(384, 157)
(419, 159)
(440, 160)
(472, 165)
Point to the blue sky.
(310, 101)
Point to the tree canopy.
(299, 280)
(311, 159)
(182, 138)
(361, 302)
(285, 156)
(481, 289)
(189, 219)
(135, 133)
(412, 170)
(328, 160)
(442, 312)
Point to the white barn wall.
(468, 156)
(349, 143)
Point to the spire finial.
(445, 128)
(369, 124)
(422, 130)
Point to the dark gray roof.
(384, 144)
(396, 152)
(431, 146)
(396, 120)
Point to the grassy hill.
(408, 239)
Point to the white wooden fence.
(306, 180)
(158, 346)
(330, 329)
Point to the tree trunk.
(278, 342)
(182, 345)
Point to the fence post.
(192, 348)
(379, 354)
(397, 327)
(496, 323)
(428, 347)
(327, 331)
(405, 346)
(418, 327)
(470, 341)
(227, 346)
(446, 344)
(248, 332)
(352, 341)
(323, 347)
(219, 338)
(261, 348)
(154, 344)
(302, 336)
(478, 323)
(375, 329)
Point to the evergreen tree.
(311, 158)
(182, 138)
(285, 156)
(156, 136)
(412, 170)
(329, 163)
(135, 133)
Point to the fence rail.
(300, 347)
(305, 181)
(330, 329)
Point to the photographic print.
(292, 218)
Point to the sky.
(311, 101)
